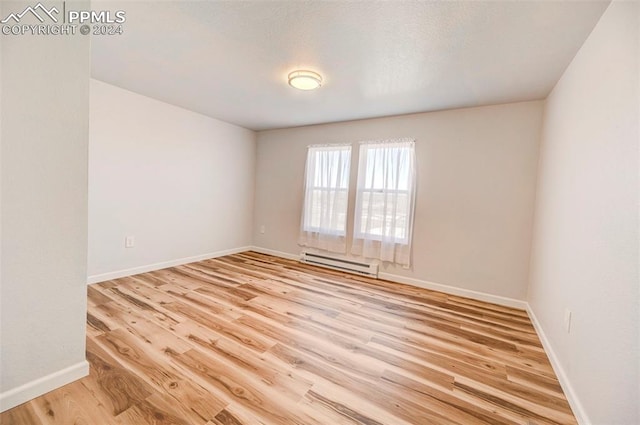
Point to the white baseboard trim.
(40, 386)
(480, 296)
(576, 406)
(162, 265)
(452, 290)
(275, 253)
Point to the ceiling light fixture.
(305, 80)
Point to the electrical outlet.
(567, 320)
(129, 241)
(262, 229)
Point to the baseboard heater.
(341, 264)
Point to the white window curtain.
(326, 195)
(385, 201)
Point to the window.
(326, 196)
(383, 221)
(385, 200)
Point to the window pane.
(340, 206)
(400, 229)
(315, 209)
(331, 168)
(387, 168)
(385, 214)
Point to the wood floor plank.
(242, 335)
(248, 391)
(23, 415)
(153, 367)
(117, 387)
(63, 407)
(251, 339)
(364, 388)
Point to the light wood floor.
(252, 339)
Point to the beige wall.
(180, 182)
(585, 251)
(45, 135)
(475, 192)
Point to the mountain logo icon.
(38, 11)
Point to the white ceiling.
(229, 60)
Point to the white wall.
(476, 185)
(45, 120)
(585, 251)
(180, 182)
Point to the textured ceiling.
(229, 60)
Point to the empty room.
(316, 212)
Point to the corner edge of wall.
(576, 406)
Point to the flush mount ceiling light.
(305, 80)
